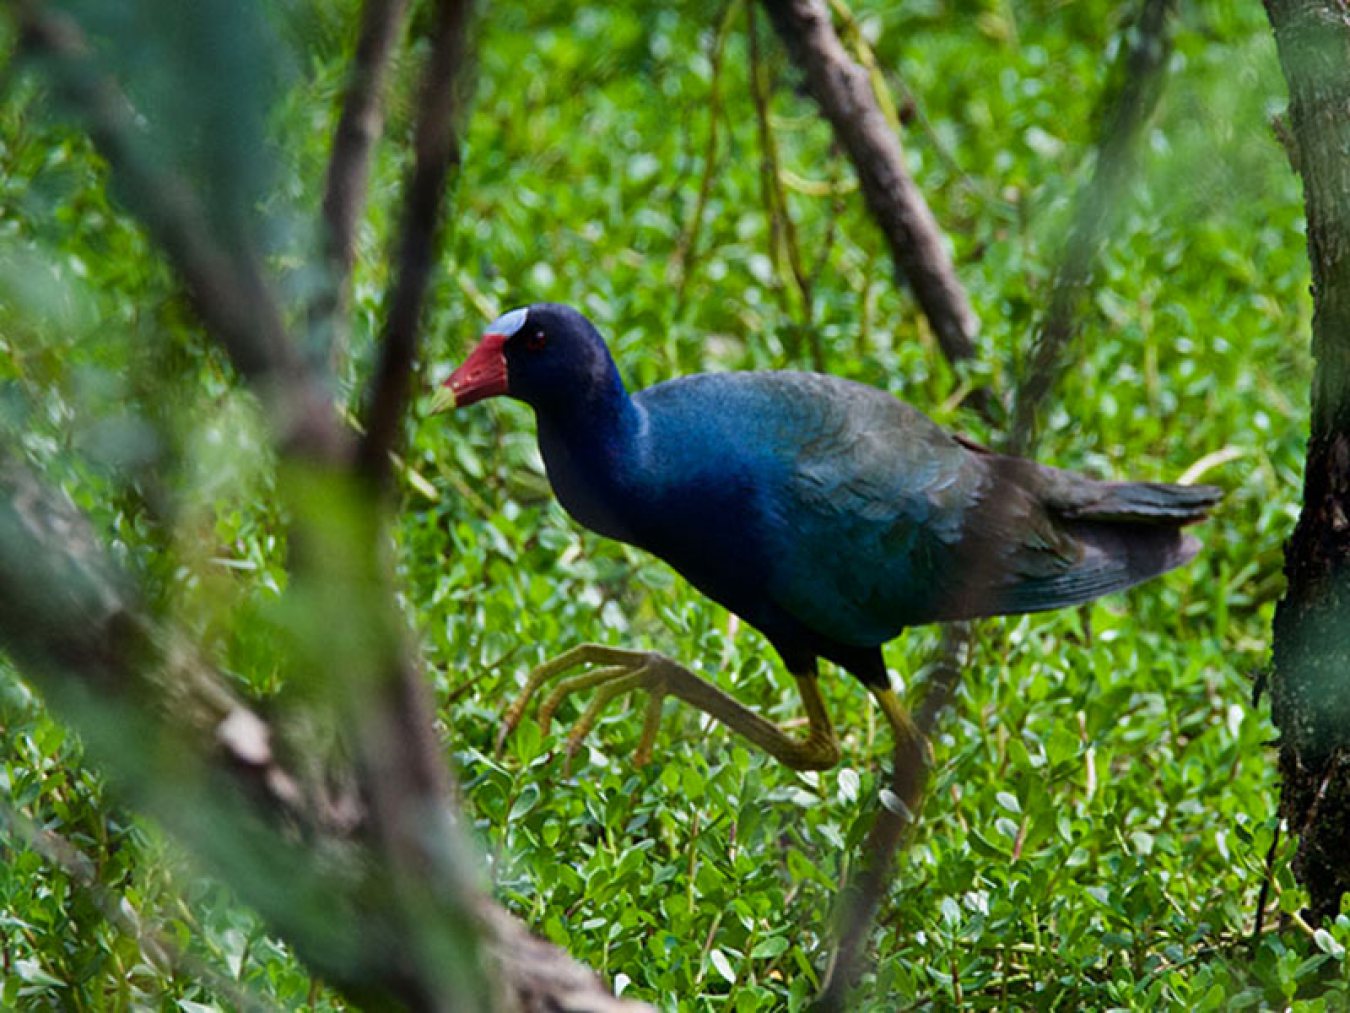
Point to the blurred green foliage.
(1104, 794)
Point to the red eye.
(536, 341)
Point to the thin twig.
(768, 169)
(1141, 74)
(1264, 893)
(783, 230)
(895, 819)
(837, 209)
(436, 159)
(358, 128)
(685, 258)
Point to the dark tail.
(1139, 503)
(1129, 532)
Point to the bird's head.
(543, 354)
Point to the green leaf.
(722, 965)
(525, 801)
(1328, 944)
(767, 949)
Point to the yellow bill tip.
(443, 400)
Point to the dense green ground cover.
(1104, 794)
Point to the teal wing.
(889, 521)
(872, 514)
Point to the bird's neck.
(596, 416)
(592, 452)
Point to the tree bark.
(1310, 680)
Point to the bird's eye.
(536, 341)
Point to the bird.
(827, 514)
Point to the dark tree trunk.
(1310, 683)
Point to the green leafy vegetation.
(1098, 824)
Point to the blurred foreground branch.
(71, 624)
(369, 882)
(294, 849)
(1141, 73)
(224, 280)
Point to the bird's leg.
(904, 729)
(623, 671)
(820, 744)
(913, 755)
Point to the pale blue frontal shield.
(508, 323)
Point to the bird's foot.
(621, 671)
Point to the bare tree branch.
(436, 157)
(844, 92)
(358, 128)
(1129, 109)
